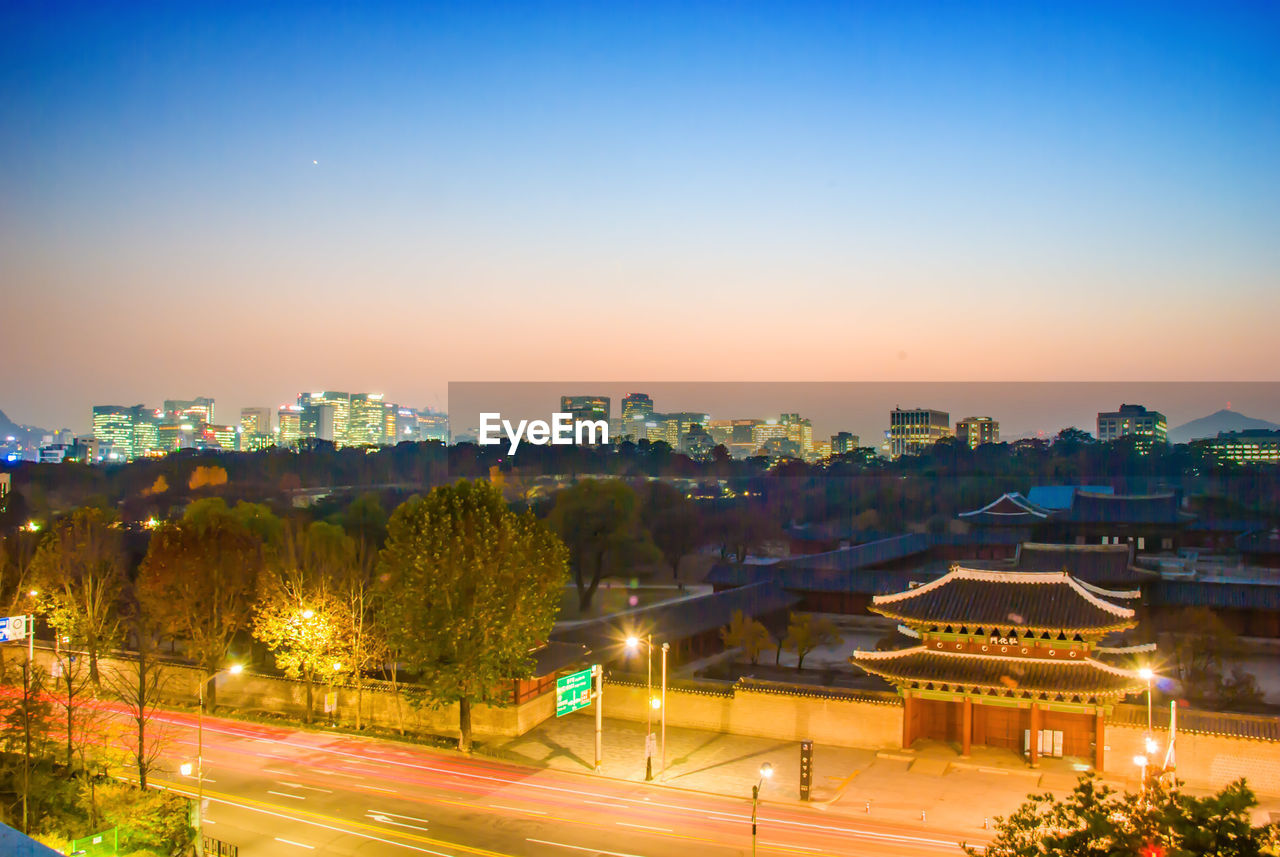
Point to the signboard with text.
(13, 628)
(573, 692)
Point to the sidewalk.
(929, 785)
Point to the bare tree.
(79, 574)
(140, 685)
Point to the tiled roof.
(868, 582)
(553, 655)
(677, 620)
(1097, 564)
(1089, 508)
(960, 671)
(1037, 601)
(1060, 496)
(1008, 510)
(864, 555)
(1218, 595)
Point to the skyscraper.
(256, 420)
(586, 407)
(289, 426)
(843, 442)
(373, 421)
(637, 406)
(335, 423)
(197, 410)
(113, 429)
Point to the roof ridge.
(943, 653)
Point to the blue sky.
(248, 200)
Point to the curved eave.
(921, 625)
(882, 664)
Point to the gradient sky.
(248, 200)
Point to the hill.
(1222, 420)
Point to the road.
(278, 791)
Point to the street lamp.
(1141, 762)
(766, 771)
(655, 703)
(1147, 674)
(234, 669)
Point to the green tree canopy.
(1098, 821)
(472, 588)
(598, 520)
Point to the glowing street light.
(655, 703)
(766, 772)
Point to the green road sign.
(573, 692)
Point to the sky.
(250, 200)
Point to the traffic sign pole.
(598, 672)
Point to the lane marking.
(299, 844)
(399, 815)
(301, 786)
(373, 788)
(609, 805)
(643, 827)
(384, 820)
(518, 809)
(581, 848)
(787, 847)
(286, 794)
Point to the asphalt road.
(277, 791)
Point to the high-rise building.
(334, 422)
(973, 432)
(256, 420)
(373, 421)
(737, 436)
(226, 438)
(433, 425)
(197, 410)
(113, 428)
(1133, 420)
(289, 425)
(637, 406)
(912, 430)
(586, 407)
(843, 442)
(799, 432)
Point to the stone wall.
(780, 712)
(1204, 761)
(252, 693)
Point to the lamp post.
(653, 702)
(1147, 674)
(766, 771)
(234, 669)
(1141, 762)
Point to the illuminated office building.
(373, 421)
(289, 425)
(1254, 446)
(637, 406)
(973, 432)
(912, 430)
(331, 424)
(225, 437)
(1149, 426)
(113, 428)
(800, 433)
(256, 420)
(433, 425)
(194, 411)
(843, 442)
(585, 407)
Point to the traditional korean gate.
(999, 726)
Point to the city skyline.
(394, 197)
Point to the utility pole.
(598, 672)
(26, 717)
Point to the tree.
(598, 521)
(1204, 654)
(366, 525)
(140, 684)
(472, 588)
(673, 522)
(299, 615)
(198, 580)
(79, 573)
(807, 632)
(1097, 821)
(150, 821)
(206, 476)
(747, 634)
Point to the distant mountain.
(24, 434)
(1209, 426)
